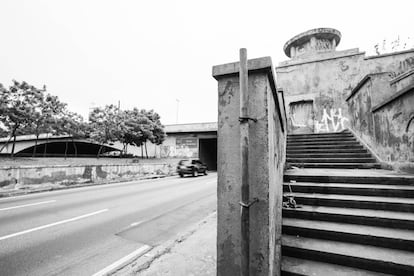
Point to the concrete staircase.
(348, 221)
(328, 150)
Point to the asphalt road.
(84, 230)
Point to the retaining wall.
(26, 176)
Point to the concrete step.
(315, 137)
(381, 218)
(344, 178)
(329, 155)
(300, 267)
(353, 233)
(337, 146)
(337, 165)
(324, 143)
(324, 140)
(379, 189)
(326, 150)
(353, 201)
(331, 160)
(321, 135)
(384, 260)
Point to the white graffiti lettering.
(178, 151)
(334, 121)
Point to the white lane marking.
(121, 262)
(27, 205)
(136, 223)
(51, 224)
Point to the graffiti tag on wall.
(323, 44)
(174, 151)
(403, 67)
(334, 121)
(184, 147)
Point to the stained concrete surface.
(193, 254)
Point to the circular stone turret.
(312, 42)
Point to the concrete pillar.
(266, 161)
(292, 52)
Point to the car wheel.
(205, 172)
(181, 175)
(195, 173)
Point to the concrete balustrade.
(267, 139)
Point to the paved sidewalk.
(193, 253)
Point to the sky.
(159, 54)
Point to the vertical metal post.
(244, 140)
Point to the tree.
(157, 129)
(158, 132)
(105, 125)
(47, 116)
(73, 125)
(138, 128)
(18, 104)
(3, 132)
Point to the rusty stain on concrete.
(384, 125)
(87, 172)
(100, 173)
(227, 94)
(67, 175)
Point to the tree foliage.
(130, 127)
(18, 104)
(25, 109)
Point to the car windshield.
(184, 162)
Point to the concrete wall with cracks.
(382, 111)
(267, 138)
(25, 177)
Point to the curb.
(123, 261)
(144, 261)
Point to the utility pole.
(244, 144)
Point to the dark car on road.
(191, 166)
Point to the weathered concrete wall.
(370, 91)
(24, 177)
(277, 131)
(382, 111)
(328, 79)
(177, 145)
(266, 162)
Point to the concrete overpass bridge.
(54, 146)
